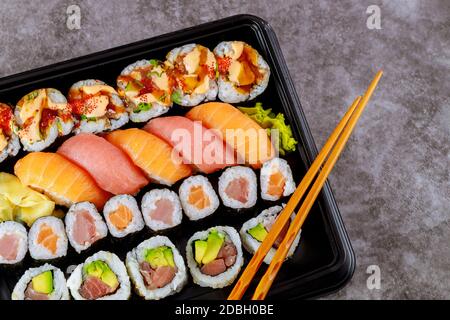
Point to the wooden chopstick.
(251, 269)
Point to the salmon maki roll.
(9, 142)
(153, 155)
(276, 180)
(92, 153)
(123, 216)
(60, 179)
(47, 239)
(251, 142)
(201, 147)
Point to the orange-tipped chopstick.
(248, 274)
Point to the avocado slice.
(156, 257)
(258, 232)
(43, 283)
(214, 243)
(168, 255)
(110, 278)
(200, 249)
(101, 270)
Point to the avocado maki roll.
(42, 116)
(214, 256)
(9, 142)
(238, 187)
(43, 283)
(156, 268)
(193, 69)
(146, 90)
(161, 209)
(276, 179)
(243, 73)
(84, 226)
(96, 107)
(102, 276)
(47, 239)
(123, 216)
(255, 230)
(13, 242)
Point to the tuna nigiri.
(250, 141)
(199, 146)
(110, 167)
(154, 156)
(63, 181)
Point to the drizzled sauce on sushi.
(5, 125)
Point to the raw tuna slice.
(9, 244)
(94, 288)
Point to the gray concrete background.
(392, 182)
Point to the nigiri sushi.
(110, 167)
(250, 141)
(9, 142)
(154, 156)
(199, 146)
(60, 179)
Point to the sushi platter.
(156, 169)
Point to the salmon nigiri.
(153, 155)
(250, 141)
(199, 146)
(63, 181)
(110, 167)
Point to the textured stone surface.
(392, 182)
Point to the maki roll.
(102, 276)
(43, 283)
(13, 242)
(145, 88)
(214, 256)
(96, 106)
(42, 116)
(276, 179)
(156, 268)
(47, 239)
(161, 209)
(193, 70)
(84, 226)
(123, 216)
(255, 230)
(243, 73)
(238, 187)
(9, 142)
(198, 197)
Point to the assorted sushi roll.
(103, 276)
(238, 187)
(146, 90)
(243, 73)
(43, 283)
(84, 226)
(161, 209)
(156, 268)
(276, 179)
(13, 243)
(198, 197)
(42, 116)
(9, 141)
(47, 239)
(193, 68)
(123, 216)
(214, 256)
(96, 107)
(255, 230)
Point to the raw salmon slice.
(110, 167)
(250, 141)
(121, 218)
(47, 238)
(59, 178)
(198, 198)
(150, 153)
(276, 184)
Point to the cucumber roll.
(156, 268)
(102, 276)
(9, 142)
(276, 180)
(238, 187)
(123, 216)
(214, 256)
(161, 209)
(43, 283)
(13, 242)
(47, 239)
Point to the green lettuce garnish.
(176, 97)
(143, 106)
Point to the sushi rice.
(39, 251)
(18, 231)
(276, 166)
(112, 206)
(9, 141)
(227, 184)
(137, 255)
(150, 203)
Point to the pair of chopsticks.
(321, 167)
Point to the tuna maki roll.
(43, 283)
(214, 256)
(102, 276)
(161, 209)
(193, 70)
(156, 268)
(145, 88)
(276, 180)
(42, 116)
(238, 187)
(96, 106)
(255, 230)
(9, 142)
(13, 242)
(123, 216)
(47, 239)
(243, 73)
